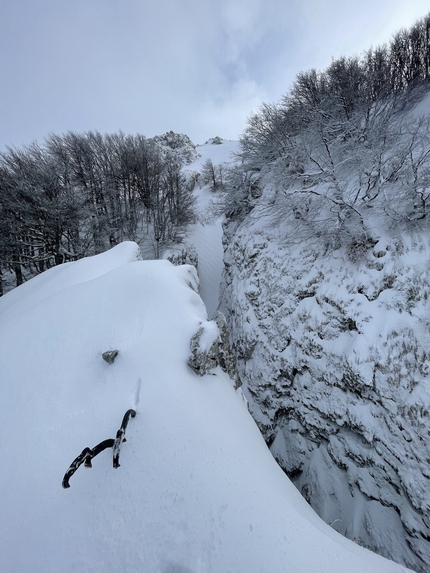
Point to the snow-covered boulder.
(197, 489)
(210, 347)
(182, 254)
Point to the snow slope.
(206, 234)
(197, 490)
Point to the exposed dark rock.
(110, 355)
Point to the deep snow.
(206, 234)
(197, 490)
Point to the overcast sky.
(198, 67)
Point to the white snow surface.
(206, 234)
(217, 153)
(207, 238)
(197, 490)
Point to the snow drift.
(197, 490)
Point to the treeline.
(335, 94)
(341, 145)
(78, 194)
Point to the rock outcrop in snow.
(210, 347)
(182, 254)
(178, 144)
(109, 356)
(334, 358)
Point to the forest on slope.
(342, 123)
(77, 195)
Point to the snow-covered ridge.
(197, 490)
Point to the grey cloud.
(148, 66)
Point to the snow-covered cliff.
(333, 350)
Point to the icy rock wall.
(334, 359)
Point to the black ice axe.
(88, 454)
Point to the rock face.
(182, 254)
(333, 352)
(210, 347)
